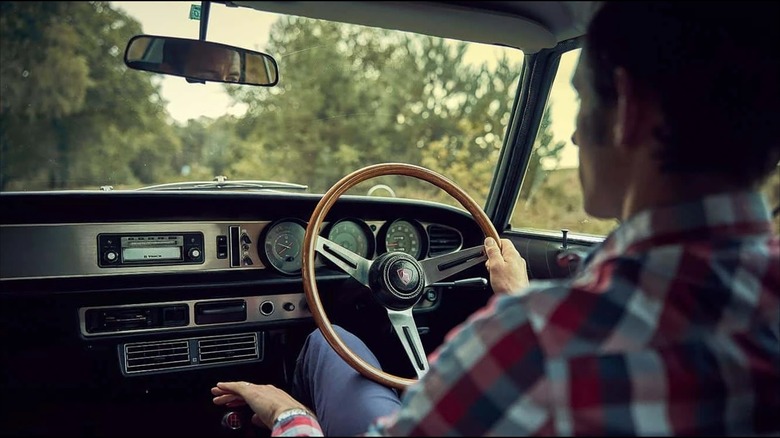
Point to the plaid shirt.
(670, 327)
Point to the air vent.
(228, 348)
(156, 356)
(444, 239)
(181, 354)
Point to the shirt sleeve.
(486, 379)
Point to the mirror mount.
(205, 8)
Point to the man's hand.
(267, 401)
(507, 268)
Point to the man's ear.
(625, 128)
(637, 113)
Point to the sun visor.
(435, 19)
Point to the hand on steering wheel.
(396, 279)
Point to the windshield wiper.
(221, 183)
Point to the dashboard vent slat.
(229, 348)
(156, 356)
(183, 354)
(443, 240)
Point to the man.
(672, 325)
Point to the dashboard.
(143, 300)
(169, 271)
(36, 251)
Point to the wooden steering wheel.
(396, 279)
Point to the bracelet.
(289, 413)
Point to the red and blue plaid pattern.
(671, 327)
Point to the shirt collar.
(725, 214)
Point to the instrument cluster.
(282, 240)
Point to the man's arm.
(488, 378)
(272, 407)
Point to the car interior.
(121, 308)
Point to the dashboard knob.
(194, 253)
(110, 256)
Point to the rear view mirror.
(199, 60)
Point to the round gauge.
(282, 245)
(404, 236)
(353, 235)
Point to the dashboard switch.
(222, 247)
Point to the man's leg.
(345, 402)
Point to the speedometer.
(405, 236)
(282, 244)
(353, 235)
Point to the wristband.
(290, 413)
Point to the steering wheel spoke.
(444, 266)
(351, 263)
(406, 330)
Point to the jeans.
(345, 402)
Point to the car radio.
(123, 250)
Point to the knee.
(317, 346)
(317, 337)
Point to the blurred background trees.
(72, 116)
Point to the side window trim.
(539, 73)
(549, 198)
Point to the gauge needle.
(286, 247)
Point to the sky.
(251, 30)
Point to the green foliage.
(350, 97)
(72, 115)
(545, 149)
(550, 198)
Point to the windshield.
(74, 117)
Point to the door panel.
(546, 257)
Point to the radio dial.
(111, 256)
(194, 253)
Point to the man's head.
(687, 88)
(202, 60)
(215, 63)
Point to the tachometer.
(282, 245)
(405, 236)
(353, 235)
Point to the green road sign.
(194, 12)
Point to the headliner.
(529, 26)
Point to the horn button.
(397, 280)
(404, 276)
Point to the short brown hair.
(713, 67)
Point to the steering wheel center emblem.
(405, 275)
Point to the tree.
(375, 96)
(69, 103)
(545, 150)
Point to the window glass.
(550, 196)
(74, 117)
